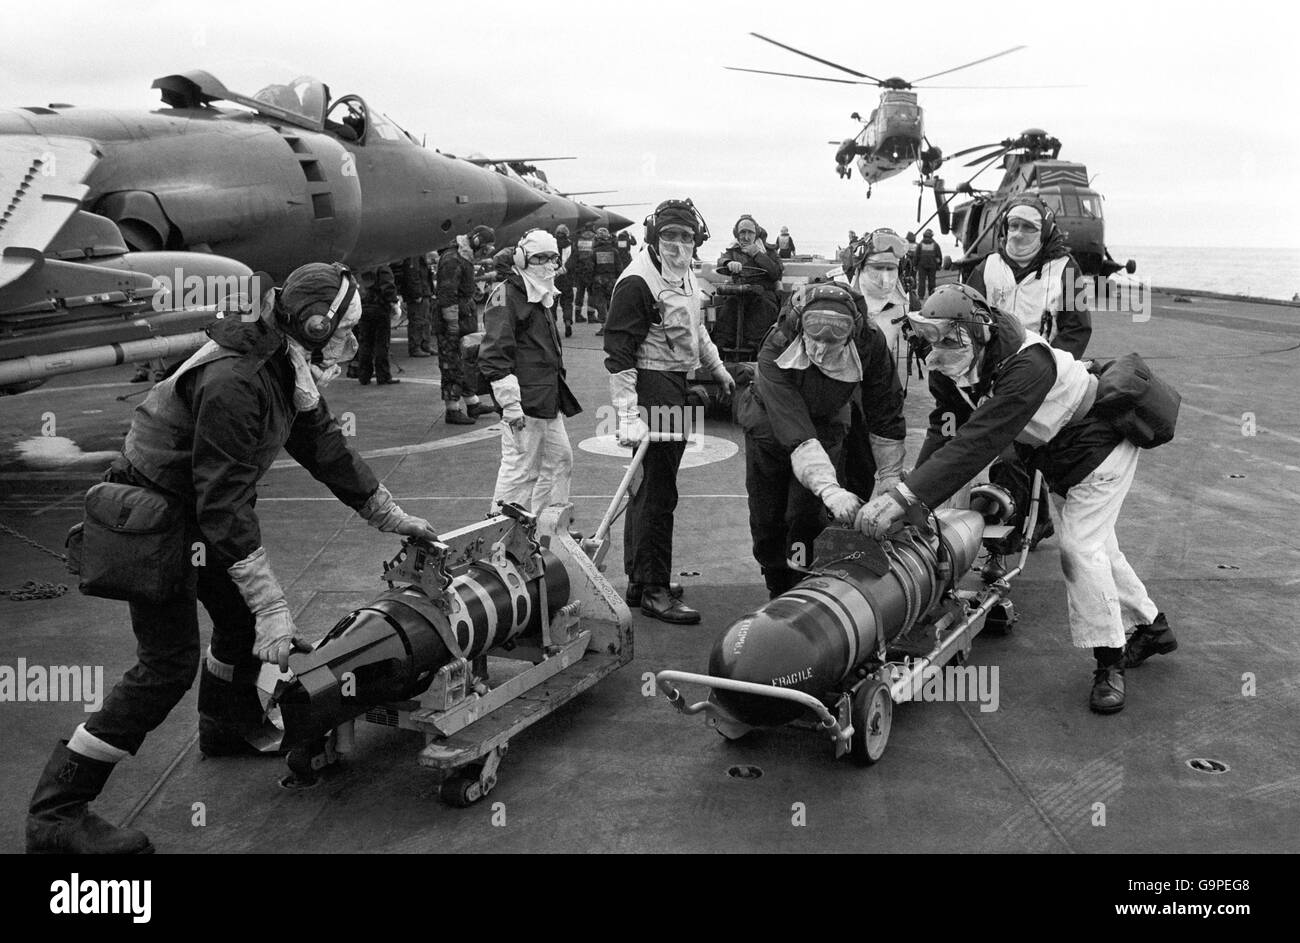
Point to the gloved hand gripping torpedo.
(200, 443)
(1003, 384)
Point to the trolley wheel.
(732, 734)
(305, 762)
(461, 791)
(1001, 619)
(872, 716)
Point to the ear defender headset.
(652, 221)
(480, 236)
(315, 330)
(519, 258)
(804, 296)
(1049, 218)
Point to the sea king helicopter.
(1030, 166)
(893, 137)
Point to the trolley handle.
(602, 532)
(665, 680)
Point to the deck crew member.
(748, 261)
(654, 337)
(205, 436)
(1003, 384)
(458, 317)
(796, 414)
(522, 357)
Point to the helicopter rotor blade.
(963, 189)
(1004, 52)
(972, 150)
(951, 195)
(991, 161)
(795, 75)
(990, 157)
(932, 87)
(808, 55)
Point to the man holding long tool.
(654, 337)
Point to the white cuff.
(812, 467)
(506, 391)
(889, 455)
(622, 390)
(85, 743)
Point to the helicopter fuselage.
(890, 140)
(1063, 186)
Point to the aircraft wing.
(41, 187)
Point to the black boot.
(1147, 640)
(231, 714)
(633, 594)
(58, 821)
(1108, 681)
(658, 604)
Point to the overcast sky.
(1187, 119)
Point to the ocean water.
(1260, 273)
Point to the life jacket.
(1071, 393)
(678, 342)
(606, 253)
(783, 242)
(1035, 301)
(160, 442)
(929, 256)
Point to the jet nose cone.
(586, 215)
(616, 222)
(521, 200)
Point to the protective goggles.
(880, 242)
(677, 236)
(541, 258)
(828, 327)
(941, 332)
